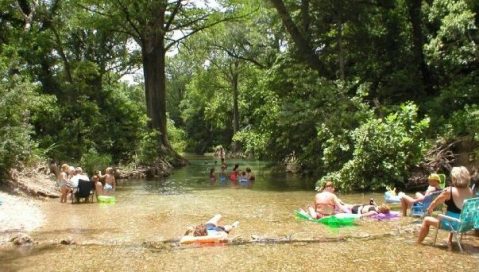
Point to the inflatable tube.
(386, 216)
(243, 181)
(390, 197)
(209, 239)
(337, 220)
(106, 199)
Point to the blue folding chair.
(419, 209)
(458, 224)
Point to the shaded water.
(140, 232)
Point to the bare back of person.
(325, 203)
(458, 195)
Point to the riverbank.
(18, 214)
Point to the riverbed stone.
(21, 239)
(67, 241)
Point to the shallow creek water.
(140, 232)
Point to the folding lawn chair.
(85, 190)
(458, 224)
(419, 209)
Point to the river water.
(141, 231)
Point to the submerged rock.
(21, 239)
(67, 241)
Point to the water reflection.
(140, 231)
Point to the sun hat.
(434, 177)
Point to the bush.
(148, 151)
(92, 162)
(16, 96)
(176, 136)
(384, 150)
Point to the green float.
(335, 221)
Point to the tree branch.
(129, 20)
(172, 16)
(305, 49)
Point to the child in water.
(212, 176)
(234, 175)
(243, 179)
(223, 173)
(110, 182)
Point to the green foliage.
(453, 44)
(383, 151)
(177, 137)
(254, 143)
(147, 151)
(17, 95)
(464, 122)
(92, 162)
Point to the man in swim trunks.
(326, 202)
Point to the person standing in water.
(212, 176)
(110, 182)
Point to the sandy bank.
(18, 214)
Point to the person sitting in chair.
(406, 201)
(453, 197)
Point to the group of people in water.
(326, 203)
(69, 177)
(237, 177)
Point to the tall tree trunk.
(414, 9)
(153, 55)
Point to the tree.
(156, 26)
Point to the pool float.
(337, 220)
(386, 216)
(243, 181)
(106, 199)
(391, 197)
(209, 239)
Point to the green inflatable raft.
(106, 199)
(335, 221)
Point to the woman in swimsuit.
(366, 210)
(326, 202)
(453, 197)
